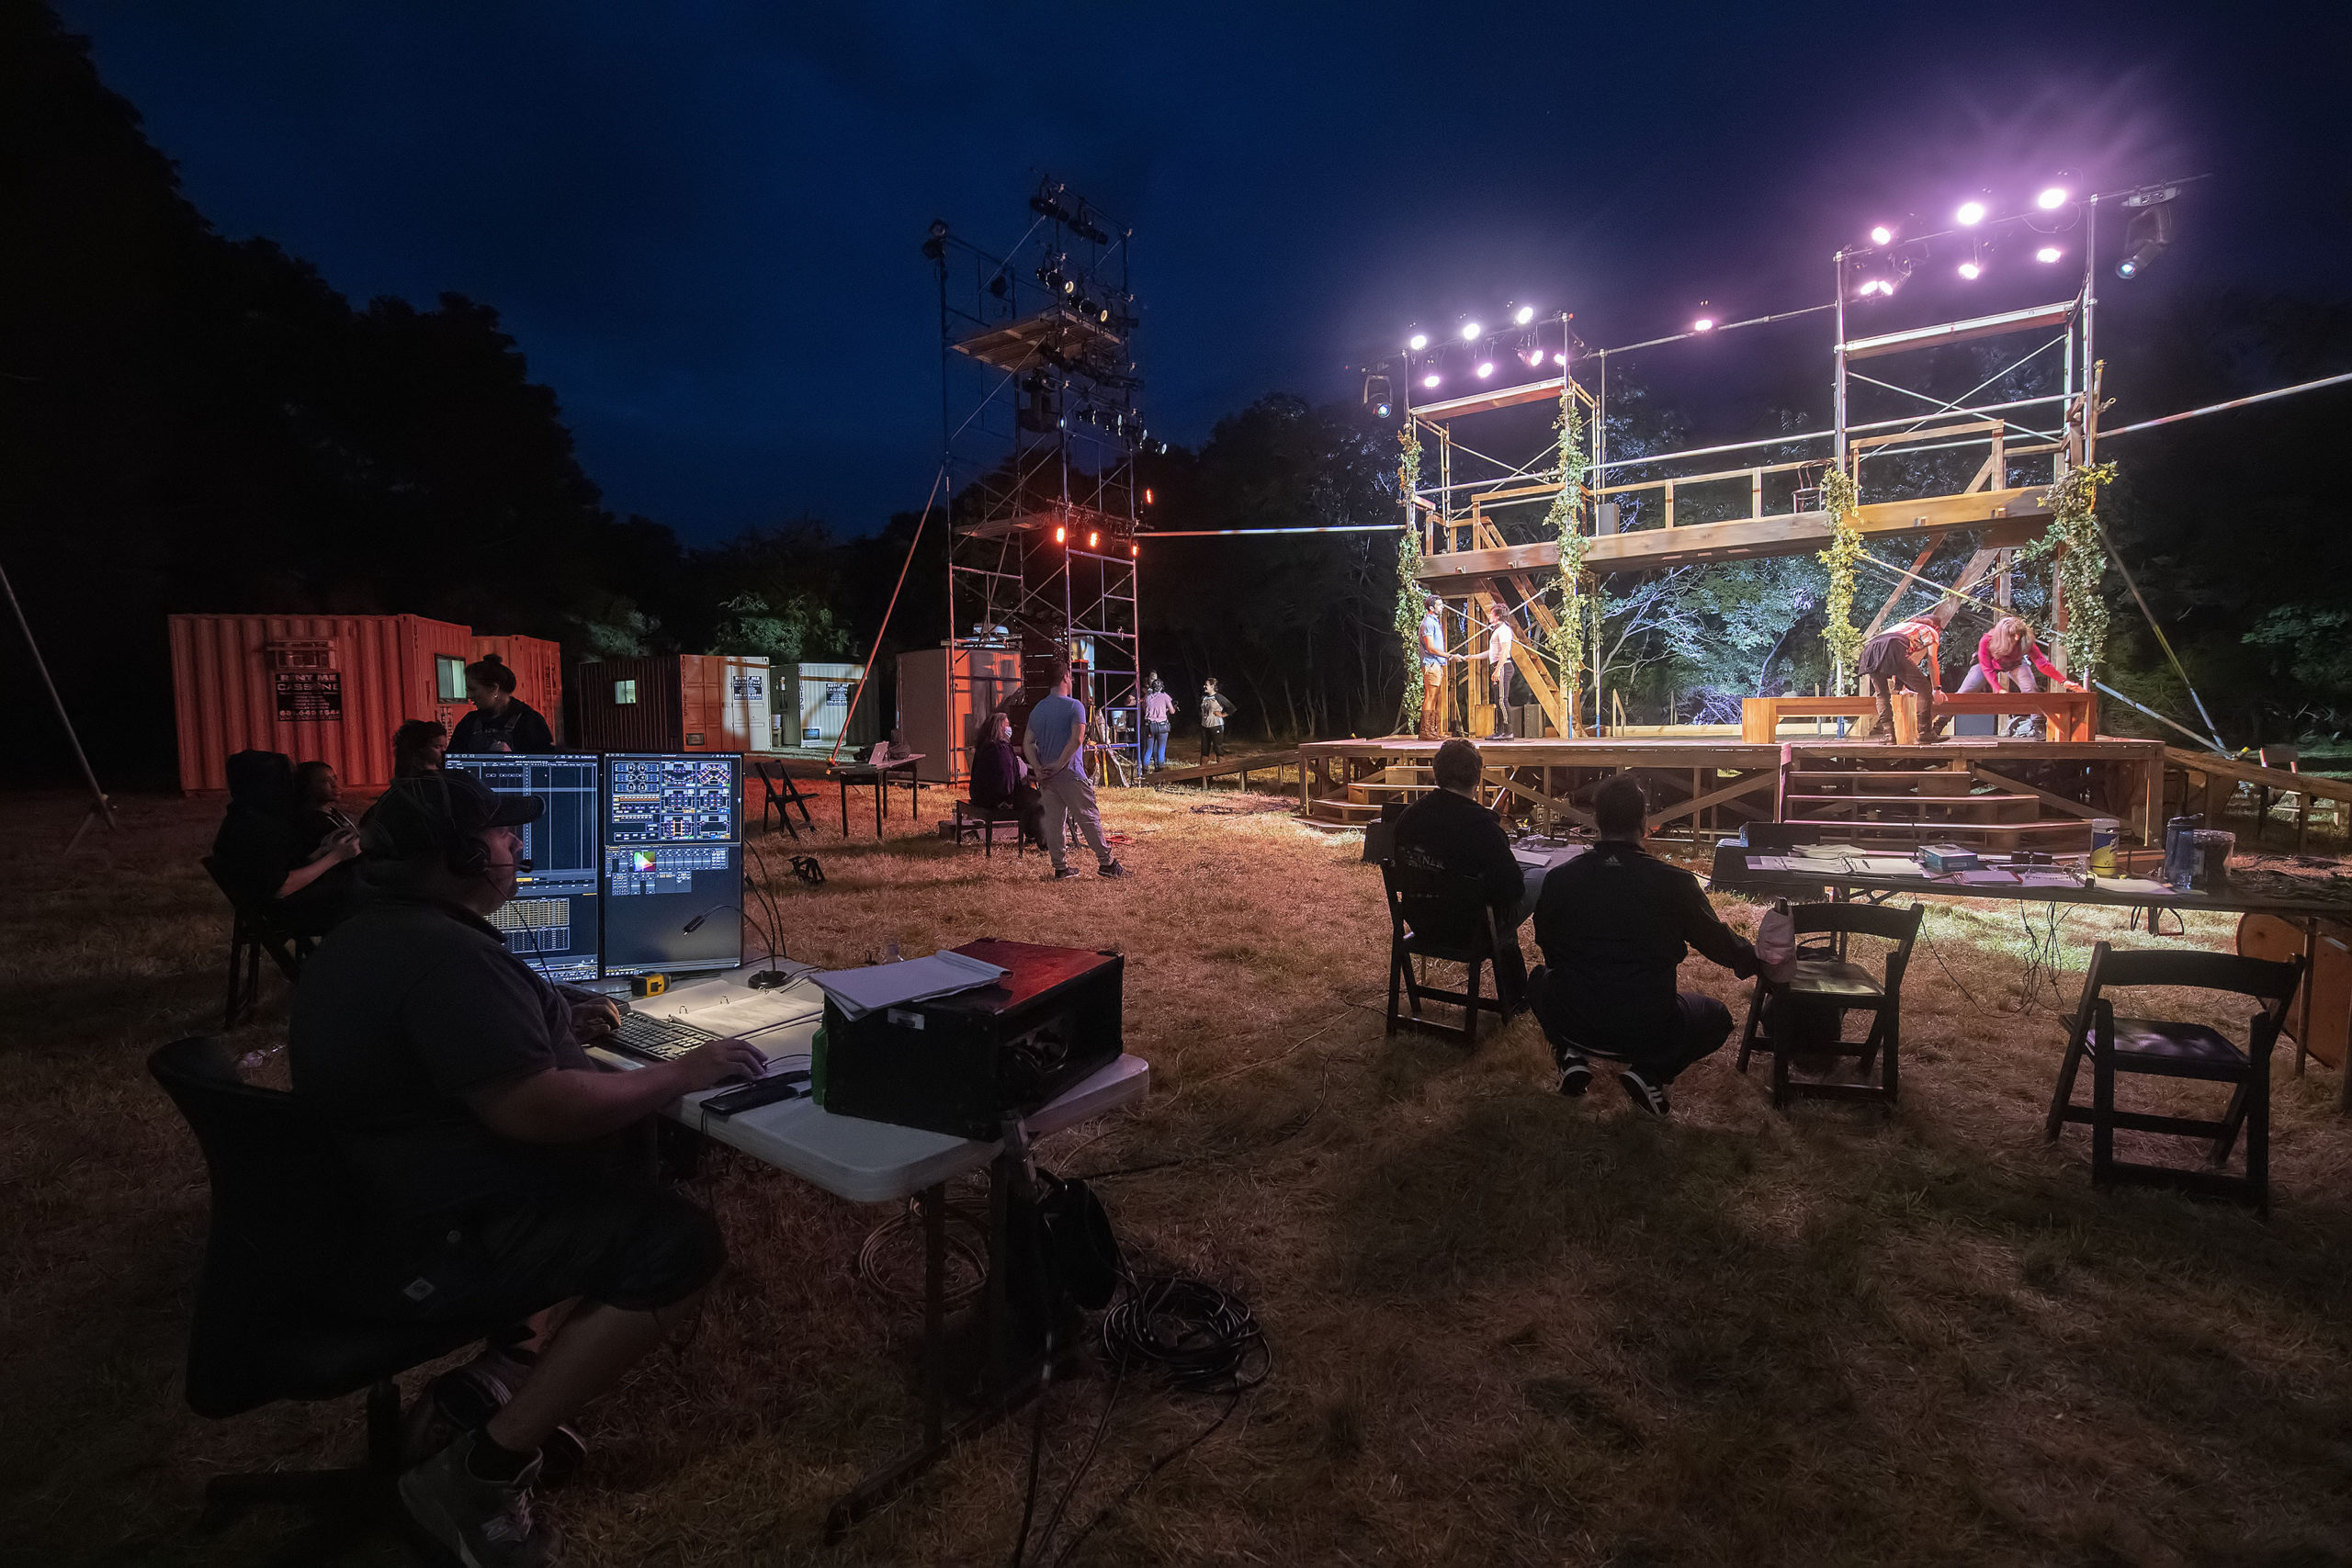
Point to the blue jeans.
(1155, 745)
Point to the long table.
(877, 1162)
(2249, 893)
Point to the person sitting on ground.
(1614, 924)
(1214, 707)
(1905, 658)
(501, 720)
(1054, 747)
(1000, 781)
(1450, 830)
(305, 882)
(1159, 714)
(418, 746)
(503, 1173)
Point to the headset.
(465, 855)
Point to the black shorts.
(637, 1251)
(1886, 657)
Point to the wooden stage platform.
(1992, 792)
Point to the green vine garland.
(1411, 602)
(1845, 639)
(2073, 543)
(1569, 639)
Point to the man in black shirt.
(1614, 924)
(1449, 829)
(492, 1147)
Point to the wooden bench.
(2070, 716)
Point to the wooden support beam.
(1901, 586)
(2018, 786)
(1576, 813)
(1748, 785)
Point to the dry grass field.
(1506, 1327)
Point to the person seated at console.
(1000, 781)
(269, 859)
(1451, 829)
(1614, 924)
(501, 720)
(418, 747)
(503, 1172)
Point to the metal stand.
(100, 808)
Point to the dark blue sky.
(701, 222)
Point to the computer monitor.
(551, 922)
(672, 862)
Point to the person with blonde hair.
(2009, 658)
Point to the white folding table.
(875, 1162)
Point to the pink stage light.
(1559, 359)
(2047, 254)
(1882, 234)
(1969, 269)
(1486, 368)
(2051, 199)
(1472, 332)
(1418, 342)
(1526, 314)
(1431, 379)
(1704, 324)
(1970, 214)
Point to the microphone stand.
(766, 979)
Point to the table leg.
(2303, 1021)
(845, 809)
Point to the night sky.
(702, 221)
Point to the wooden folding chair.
(2161, 1049)
(1826, 982)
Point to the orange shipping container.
(331, 688)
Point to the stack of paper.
(1886, 865)
(859, 991)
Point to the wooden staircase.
(1402, 782)
(1922, 805)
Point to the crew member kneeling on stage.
(503, 1172)
(997, 781)
(1054, 745)
(1448, 830)
(1614, 924)
(1905, 658)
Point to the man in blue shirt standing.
(1054, 744)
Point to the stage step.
(1936, 782)
(2058, 836)
(1970, 807)
(1350, 813)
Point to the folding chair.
(2160, 1049)
(1435, 914)
(1827, 982)
(981, 821)
(251, 933)
(782, 796)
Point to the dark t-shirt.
(519, 728)
(403, 1009)
(1614, 924)
(1463, 838)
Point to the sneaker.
(484, 1524)
(1574, 1078)
(1064, 873)
(1645, 1095)
(1112, 868)
(467, 1396)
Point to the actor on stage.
(1433, 658)
(1903, 658)
(1499, 638)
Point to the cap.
(424, 815)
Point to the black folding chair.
(980, 822)
(1807, 1016)
(2161, 1049)
(783, 798)
(253, 933)
(1435, 914)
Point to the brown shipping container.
(330, 688)
(674, 702)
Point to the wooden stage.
(1995, 793)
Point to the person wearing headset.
(497, 1161)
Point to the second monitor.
(672, 862)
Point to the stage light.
(1559, 359)
(1134, 548)
(1147, 495)
(1530, 350)
(1418, 342)
(1093, 540)
(1882, 234)
(1526, 314)
(1061, 535)
(1472, 332)
(2149, 236)
(1704, 324)
(1431, 379)
(2051, 199)
(1069, 285)
(2047, 254)
(1969, 269)
(1970, 214)
(1486, 368)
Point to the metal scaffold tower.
(1041, 428)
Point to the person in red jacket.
(2008, 658)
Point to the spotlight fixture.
(1134, 550)
(1530, 350)
(1431, 379)
(1972, 269)
(2047, 254)
(2051, 199)
(1561, 359)
(1147, 495)
(936, 246)
(1486, 368)
(1881, 235)
(1704, 324)
(1472, 332)
(2150, 235)
(1377, 396)
(1524, 314)
(1061, 535)
(1970, 214)
(1418, 342)
(1093, 540)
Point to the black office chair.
(1807, 1016)
(254, 932)
(1437, 914)
(283, 1207)
(2168, 1050)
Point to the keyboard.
(658, 1039)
